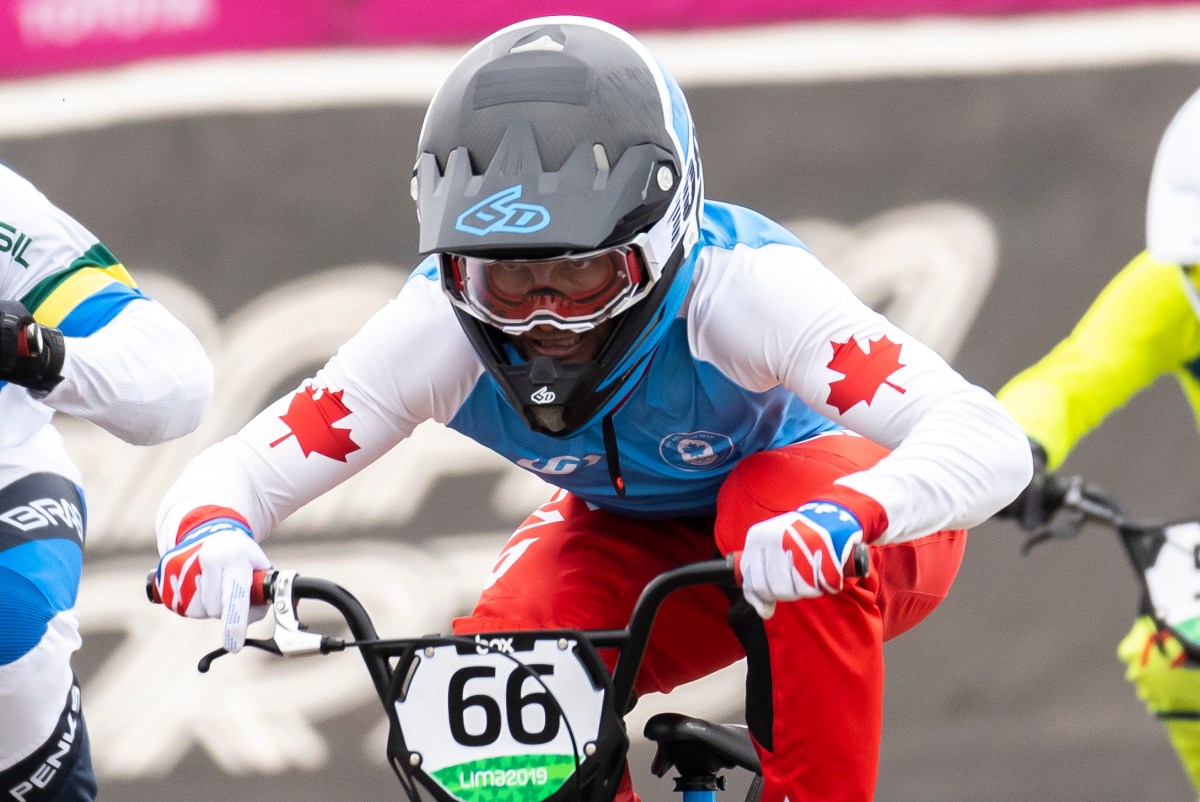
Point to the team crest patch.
(695, 451)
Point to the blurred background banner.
(45, 36)
(978, 178)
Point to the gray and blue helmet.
(556, 137)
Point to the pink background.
(42, 36)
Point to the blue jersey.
(679, 434)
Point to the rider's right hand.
(31, 354)
(208, 574)
(1040, 499)
(798, 555)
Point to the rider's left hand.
(1040, 499)
(798, 555)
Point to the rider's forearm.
(1142, 325)
(143, 377)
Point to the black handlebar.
(1081, 503)
(284, 589)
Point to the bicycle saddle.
(695, 746)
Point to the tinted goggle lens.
(578, 289)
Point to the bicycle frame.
(698, 750)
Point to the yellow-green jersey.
(1144, 324)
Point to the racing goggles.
(574, 292)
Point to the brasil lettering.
(14, 242)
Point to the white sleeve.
(409, 363)
(776, 316)
(144, 376)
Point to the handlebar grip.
(259, 585)
(860, 561)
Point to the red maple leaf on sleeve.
(863, 372)
(310, 418)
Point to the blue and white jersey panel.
(39, 579)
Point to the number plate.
(1174, 580)
(487, 722)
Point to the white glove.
(208, 574)
(798, 555)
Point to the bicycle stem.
(633, 640)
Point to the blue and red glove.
(209, 571)
(798, 555)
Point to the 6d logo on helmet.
(16, 247)
(502, 213)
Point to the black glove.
(1038, 502)
(31, 354)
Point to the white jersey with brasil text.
(769, 348)
(130, 367)
(144, 378)
(62, 274)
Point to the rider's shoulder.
(726, 225)
(23, 206)
(740, 247)
(1147, 274)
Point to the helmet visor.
(573, 292)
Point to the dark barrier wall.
(982, 211)
(43, 36)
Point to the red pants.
(815, 670)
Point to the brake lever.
(1075, 521)
(1079, 508)
(290, 638)
(266, 644)
(1035, 540)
